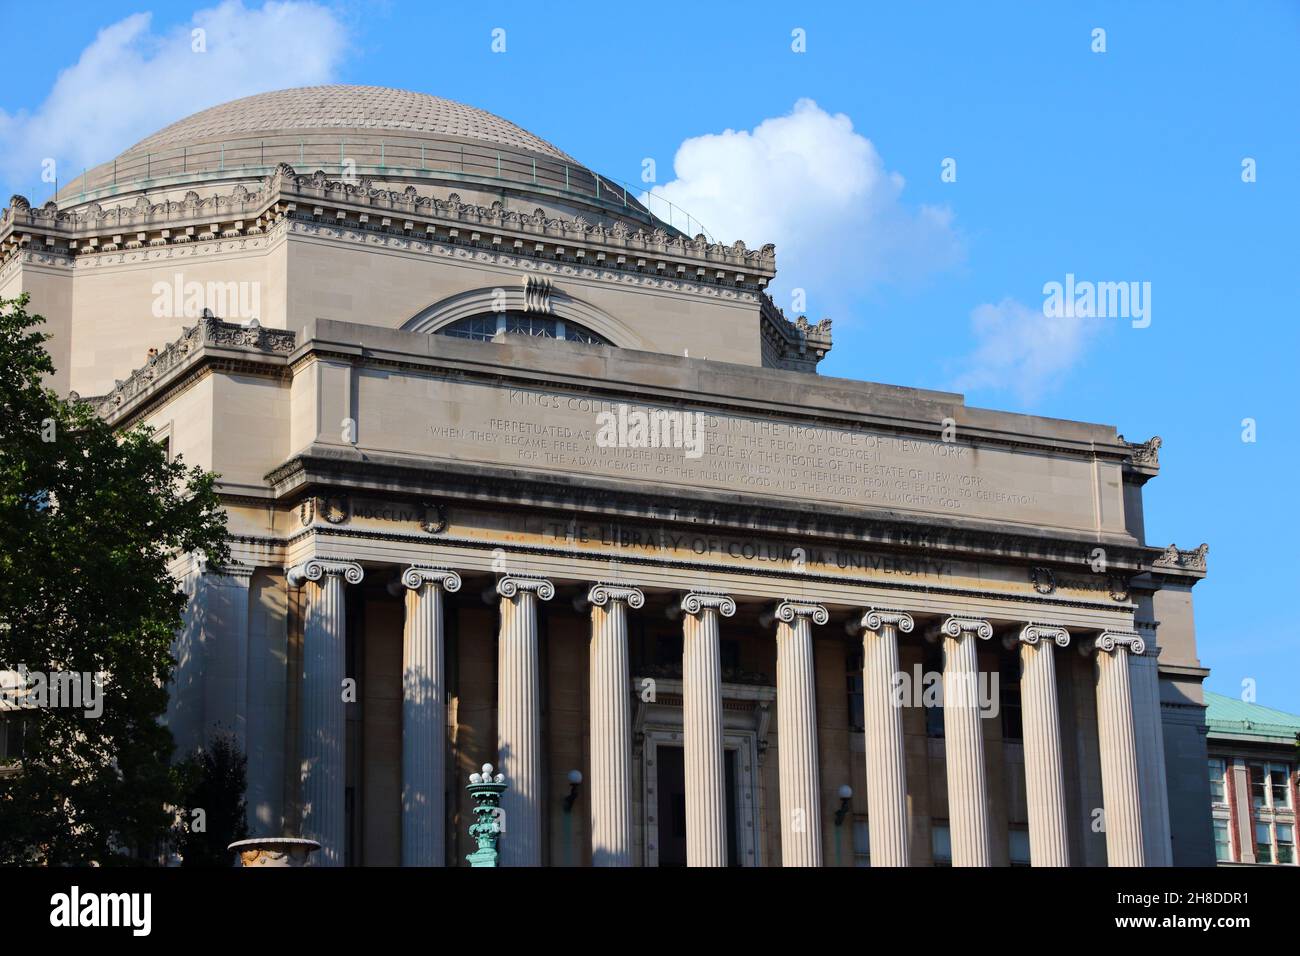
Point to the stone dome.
(386, 136)
(362, 110)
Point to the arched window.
(486, 327)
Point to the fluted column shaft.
(883, 733)
(1149, 730)
(1120, 790)
(424, 716)
(611, 725)
(796, 723)
(519, 719)
(706, 807)
(968, 815)
(322, 718)
(1044, 773)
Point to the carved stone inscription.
(571, 434)
(663, 543)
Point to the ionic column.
(968, 815)
(322, 719)
(1148, 727)
(611, 725)
(706, 792)
(424, 716)
(883, 733)
(519, 718)
(796, 728)
(1120, 789)
(1044, 774)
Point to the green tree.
(89, 520)
(213, 810)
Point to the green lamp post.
(486, 790)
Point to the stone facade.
(719, 629)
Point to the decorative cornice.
(1174, 557)
(286, 181)
(1131, 641)
(602, 593)
(877, 619)
(797, 346)
(416, 576)
(1147, 453)
(698, 601)
(381, 211)
(957, 626)
(1031, 634)
(511, 585)
(787, 611)
(887, 530)
(209, 331)
(315, 569)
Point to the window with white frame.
(1263, 843)
(488, 326)
(1270, 786)
(1284, 841)
(1222, 840)
(1218, 790)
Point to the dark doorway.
(671, 809)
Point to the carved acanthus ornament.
(1174, 557)
(1147, 453)
(88, 227)
(209, 331)
(797, 346)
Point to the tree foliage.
(212, 784)
(90, 519)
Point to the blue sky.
(1123, 165)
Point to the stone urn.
(274, 851)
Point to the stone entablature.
(1049, 560)
(361, 204)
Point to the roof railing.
(405, 158)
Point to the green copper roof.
(1227, 715)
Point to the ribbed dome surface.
(363, 109)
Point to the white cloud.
(131, 81)
(1021, 350)
(820, 191)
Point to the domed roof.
(361, 109)
(385, 135)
